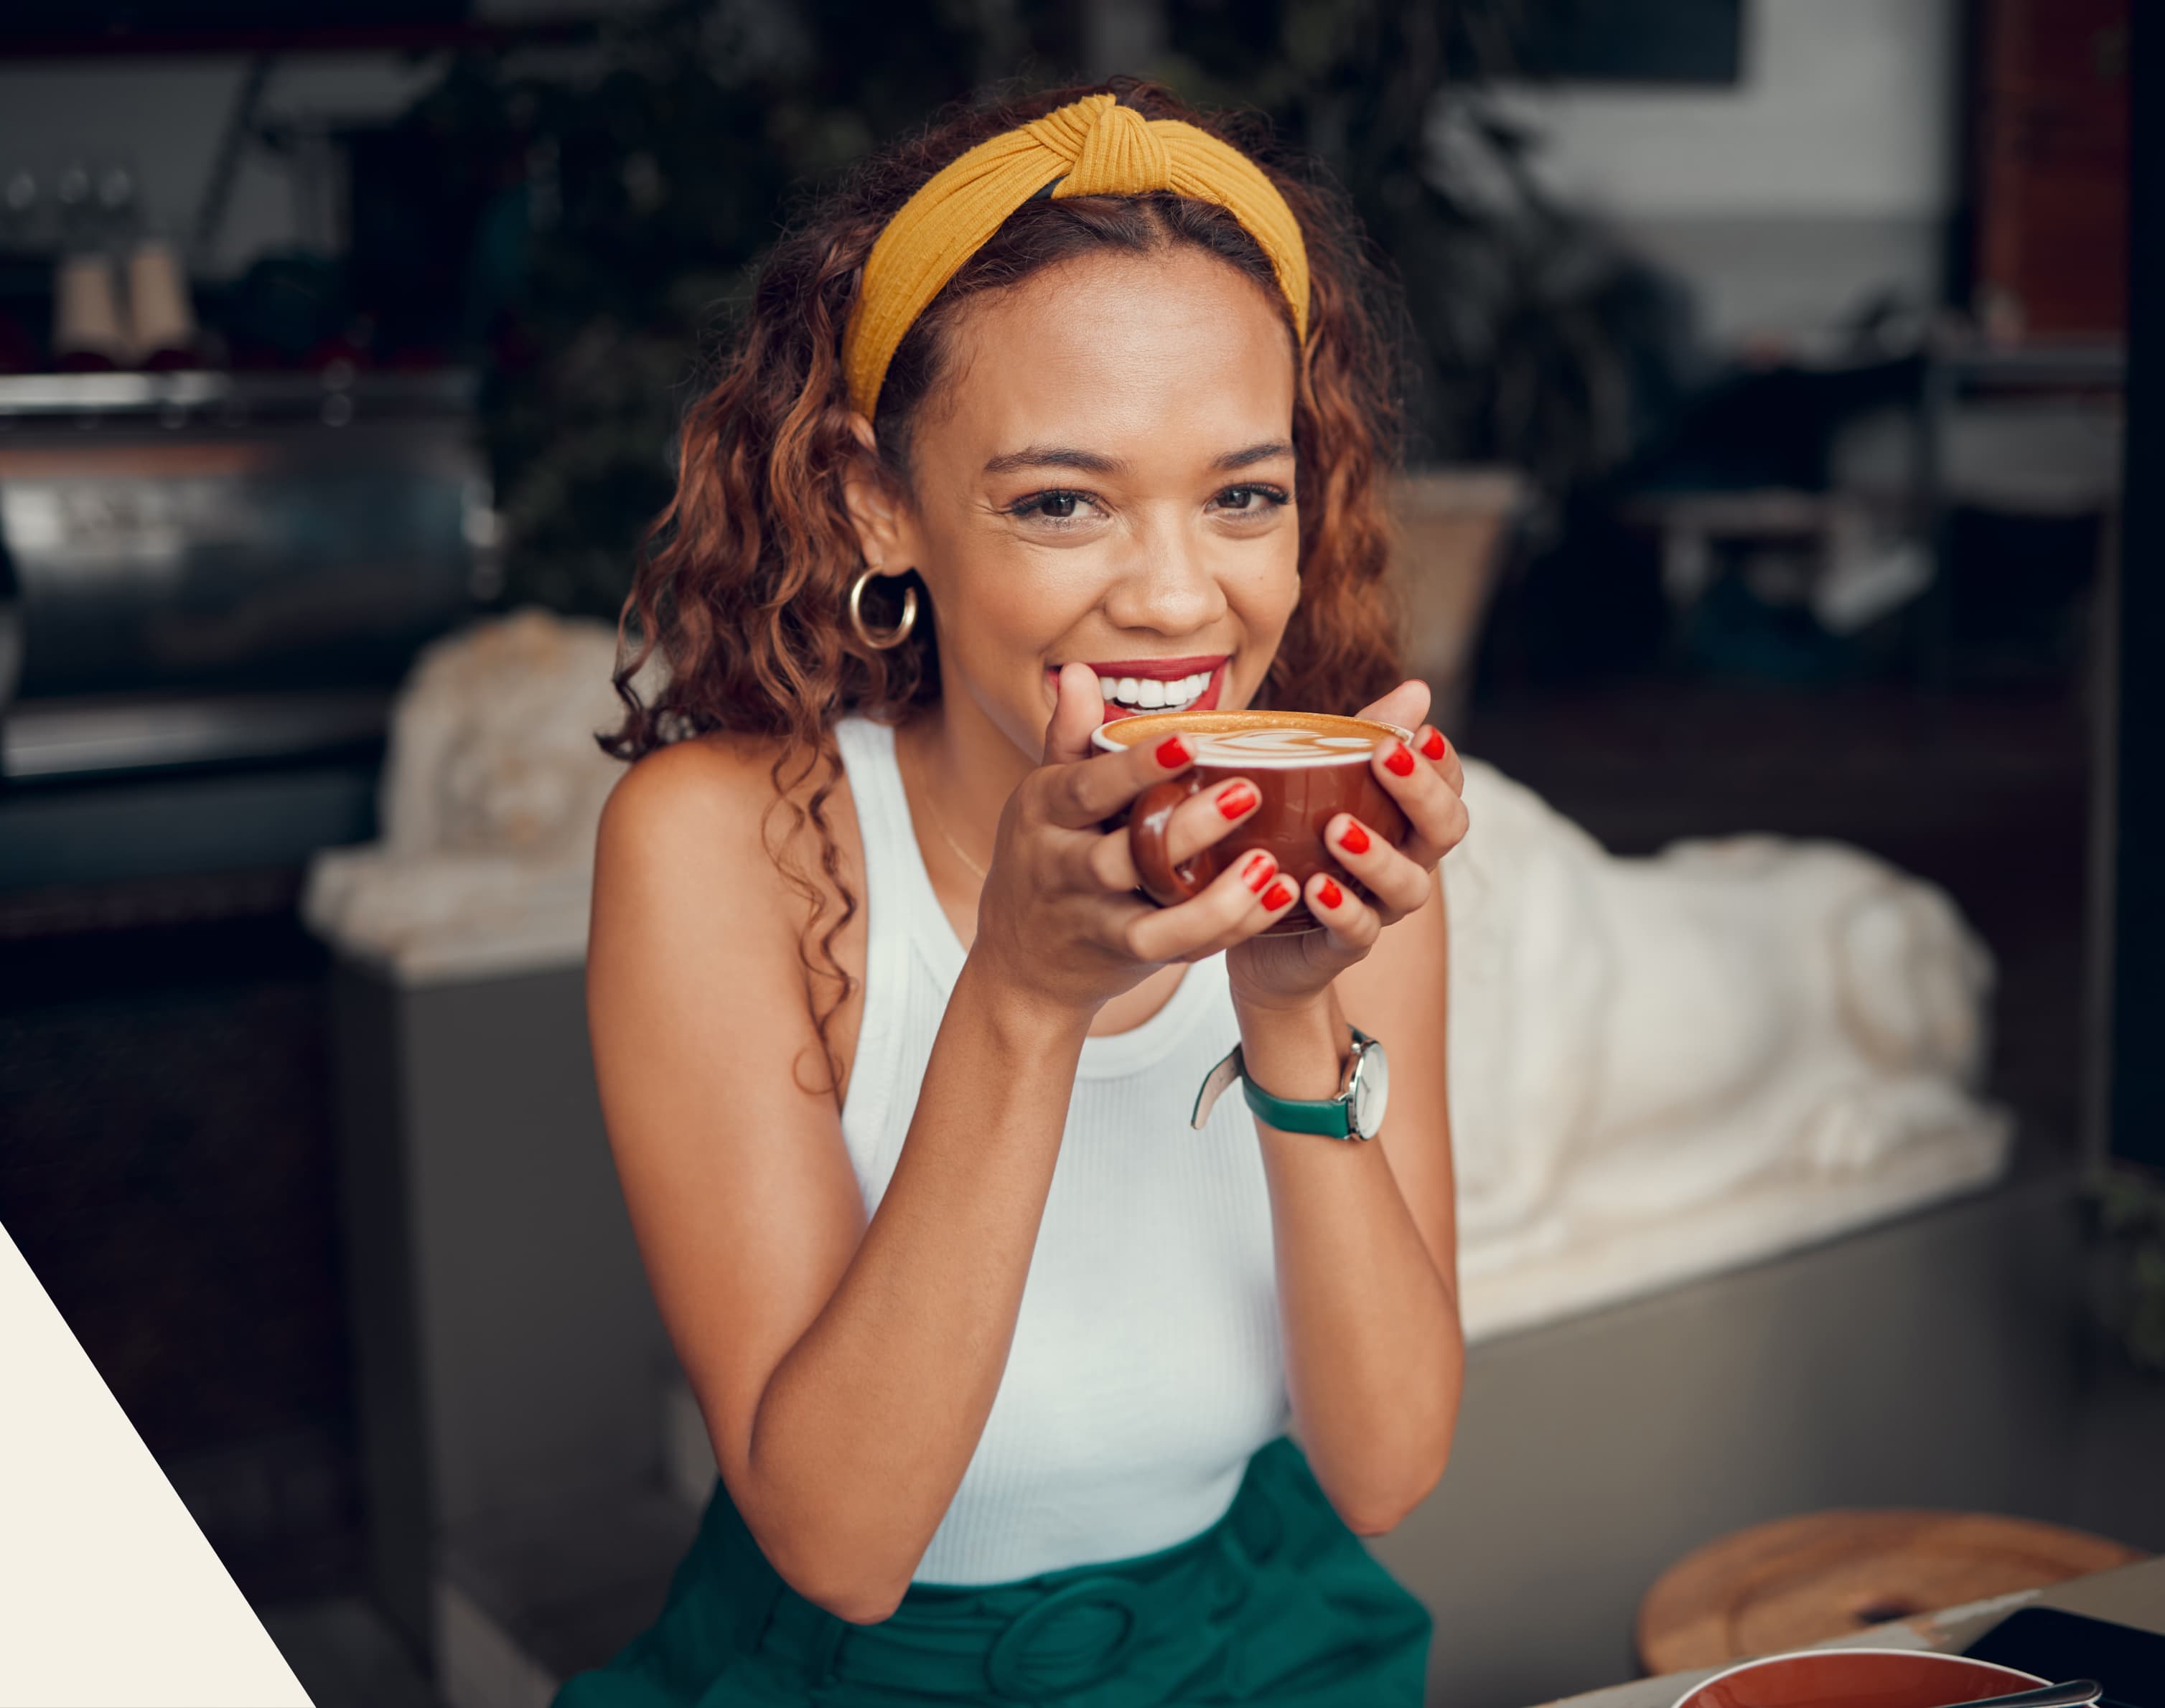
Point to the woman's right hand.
(1059, 918)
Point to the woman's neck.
(964, 767)
(958, 771)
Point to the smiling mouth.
(1130, 686)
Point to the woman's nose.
(1168, 585)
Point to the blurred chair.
(2029, 430)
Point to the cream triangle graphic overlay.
(109, 1593)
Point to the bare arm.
(1365, 1234)
(845, 1368)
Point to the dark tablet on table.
(2056, 1647)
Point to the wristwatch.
(1364, 1088)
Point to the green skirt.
(1277, 1603)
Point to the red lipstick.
(1158, 670)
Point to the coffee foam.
(1270, 740)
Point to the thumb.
(1080, 709)
(1405, 706)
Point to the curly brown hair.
(743, 585)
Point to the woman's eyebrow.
(1090, 462)
(1253, 453)
(1055, 456)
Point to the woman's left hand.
(1425, 779)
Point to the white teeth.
(1152, 694)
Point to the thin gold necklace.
(939, 824)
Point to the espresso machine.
(210, 585)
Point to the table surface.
(2132, 1594)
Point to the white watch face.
(1372, 1091)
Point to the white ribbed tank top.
(1146, 1365)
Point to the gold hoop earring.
(894, 636)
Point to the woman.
(1066, 406)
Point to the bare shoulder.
(706, 811)
(693, 913)
(711, 794)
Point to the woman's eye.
(1248, 499)
(1052, 507)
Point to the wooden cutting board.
(1798, 1581)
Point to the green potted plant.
(643, 177)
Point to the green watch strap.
(1331, 1117)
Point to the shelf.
(229, 41)
(28, 397)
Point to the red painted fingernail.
(1173, 753)
(1278, 895)
(1353, 839)
(1398, 760)
(1329, 895)
(1235, 799)
(1433, 744)
(1257, 871)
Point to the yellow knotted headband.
(1093, 147)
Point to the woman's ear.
(878, 513)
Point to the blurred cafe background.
(1770, 371)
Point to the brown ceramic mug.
(1308, 767)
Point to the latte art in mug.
(1240, 747)
(1269, 739)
